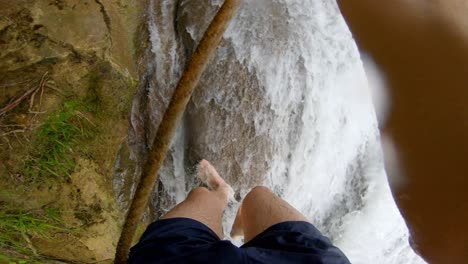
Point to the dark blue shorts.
(183, 240)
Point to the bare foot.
(209, 176)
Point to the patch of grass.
(55, 140)
(17, 228)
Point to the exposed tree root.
(33, 91)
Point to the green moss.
(125, 105)
(93, 98)
(109, 94)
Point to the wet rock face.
(192, 20)
(161, 63)
(223, 108)
(225, 101)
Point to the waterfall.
(285, 103)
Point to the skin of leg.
(262, 209)
(203, 205)
(237, 229)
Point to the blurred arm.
(422, 48)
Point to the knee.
(259, 190)
(256, 194)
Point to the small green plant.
(17, 228)
(55, 140)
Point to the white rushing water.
(323, 151)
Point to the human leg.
(260, 210)
(204, 205)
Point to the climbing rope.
(170, 121)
